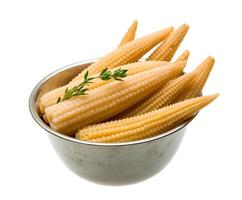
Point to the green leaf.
(86, 75)
(104, 71)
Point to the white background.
(37, 37)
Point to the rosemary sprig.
(81, 90)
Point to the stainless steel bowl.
(106, 163)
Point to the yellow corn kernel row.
(146, 125)
(133, 68)
(111, 99)
(128, 53)
(194, 88)
(184, 56)
(137, 108)
(125, 54)
(51, 97)
(163, 97)
(167, 49)
(130, 34)
(157, 100)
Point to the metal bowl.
(106, 163)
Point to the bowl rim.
(39, 121)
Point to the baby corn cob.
(128, 53)
(168, 48)
(163, 97)
(146, 125)
(130, 35)
(184, 56)
(51, 97)
(133, 68)
(195, 87)
(109, 100)
(125, 54)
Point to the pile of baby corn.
(154, 97)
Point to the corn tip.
(135, 22)
(182, 64)
(214, 96)
(210, 98)
(212, 59)
(183, 56)
(168, 29)
(187, 52)
(185, 25)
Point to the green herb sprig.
(117, 74)
(81, 89)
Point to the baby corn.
(128, 53)
(130, 35)
(163, 97)
(167, 49)
(184, 56)
(51, 97)
(109, 100)
(146, 125)
(125, 54)
(195, 87)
